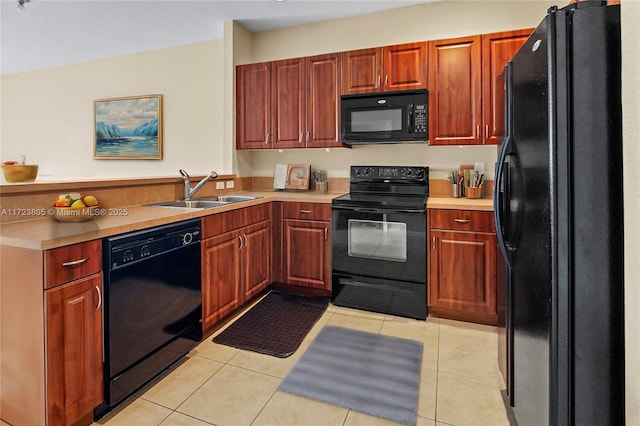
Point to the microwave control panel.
(420, 119)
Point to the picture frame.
(128, 128)
(298, 176)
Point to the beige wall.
(48, 114)
(630, 15)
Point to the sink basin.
(235, 198)
(193, 204)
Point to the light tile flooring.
(218, 385)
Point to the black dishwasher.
(153, 305)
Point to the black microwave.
(389, 117)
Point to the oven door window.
(376, 120)
(379, 240)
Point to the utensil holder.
(322, 187)
(456, 190)
(473, 191)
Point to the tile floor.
(218, 385)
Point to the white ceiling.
(56, 32)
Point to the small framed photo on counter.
(298, 176)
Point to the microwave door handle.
(410, 118)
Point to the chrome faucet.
(188, 191)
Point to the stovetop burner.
(388, 187)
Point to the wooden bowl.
(67, 214)
(20, 172)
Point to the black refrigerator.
(559, 215)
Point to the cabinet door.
(405, 66)
(462, 271)
(497, 50)
(455, 104)
(307, 260)
(288, 91)
(256, 256)
(220, 277)
(324, 87)
(73, 315)
(253, 109)
(362, 71)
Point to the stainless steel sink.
(206, 202)
(235, 198)
(192, 204)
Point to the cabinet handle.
(241, 241)
(326, 234)
(461, 220)
(378, 81)
(307, 137)
(486, 131)
(75, 262)
(478, 130)
(386, 80)
(246, 240)
(99, 298)
(266, 139)
(305, 211)
(433, 243)
(301, 136)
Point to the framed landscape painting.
(128, 128)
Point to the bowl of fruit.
(73, 207)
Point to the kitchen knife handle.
(461, 220)
(99, 298)
(75, 262)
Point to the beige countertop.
(47, 233)
(483, 204)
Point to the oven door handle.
(380, 211)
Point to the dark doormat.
(276, 325)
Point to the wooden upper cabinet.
(253, 106)
(288, 90)
(455, 109)
(324, 87)
(497, 50)
(466, 87)
(362, 71)
(405, 66)
(389, 68)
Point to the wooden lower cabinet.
(462, 266)
(74, 349)
(306, 245)
(237, 260)
(307, 253)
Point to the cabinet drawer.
(69, 263)
(461, 220)
(307, 211)
(217, 224)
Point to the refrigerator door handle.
(498, 198)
